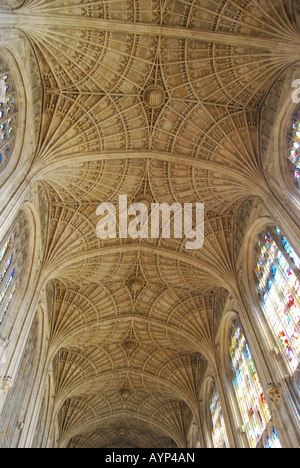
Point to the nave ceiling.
(158, 100)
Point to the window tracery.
(8, 114)
(12, 262)
(7, 278)
(294, 152)
(278, 273)
(250, 396)
(219, 435)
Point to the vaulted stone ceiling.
(135, 321)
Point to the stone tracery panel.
(8, 113)
(14, 257)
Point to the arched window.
(219, 435)
(278, 274)
(14, 412)
(250, 396)
(294, 151)
(7, 278)
(8, 113)
(12, 261)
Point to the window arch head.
(294, 149)
(277, 270)
(8, 113)
(13, 259)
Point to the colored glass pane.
(218, 425)
(277, 271)
(249, 392)
(7, 278)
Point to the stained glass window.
(8, 114)
(251, 399)
(294, 152)
(278, 273)
(13, 256)
(218, 426)
(7, 273)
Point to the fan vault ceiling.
(158, 100)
